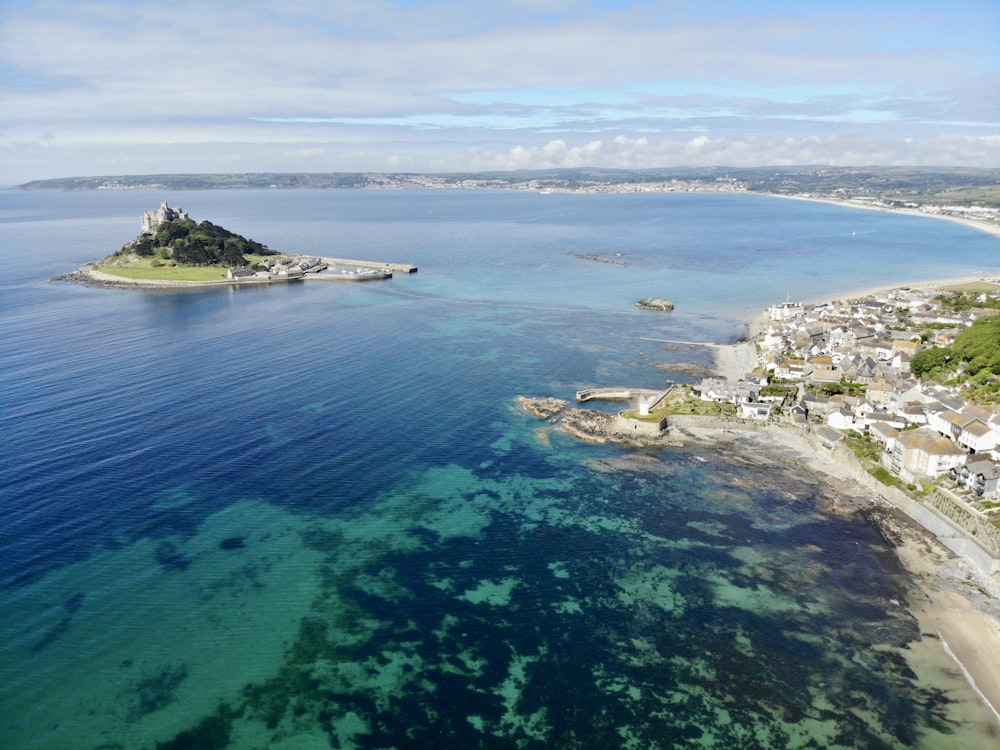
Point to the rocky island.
(652, 303)
(172, 250)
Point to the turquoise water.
(312, 515)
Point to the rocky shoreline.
(588, 425)
(956, 605)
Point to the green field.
(972, 286)
(143, 269)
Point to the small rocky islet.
(654, 303)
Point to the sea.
(312, 515)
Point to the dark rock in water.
(74, 603)
(211, 733)
(233, 542)
(651, 303)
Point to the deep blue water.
(312, 515)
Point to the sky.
(109, 87)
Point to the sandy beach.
(983, 226)
(937, 284)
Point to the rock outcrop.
(586, 424)
(652, 303)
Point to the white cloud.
(531, 83)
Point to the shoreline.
(88, 276)
(926, 285)
(949, 598)
(944, 600)
(983, 226)
(957, 608)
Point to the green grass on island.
(155, 269)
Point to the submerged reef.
(605, 607)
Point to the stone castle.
(152, 219)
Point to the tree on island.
(186, 242)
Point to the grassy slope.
(143, 268)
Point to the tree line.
(974, 357)
(187, 242)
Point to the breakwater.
(401, 267)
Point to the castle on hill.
(152, 219)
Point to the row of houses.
(279, 268)
(926, 431)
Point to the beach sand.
(734, 361)
(983, 226)
(930, 286)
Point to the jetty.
(648, 396)
(362, 274)
(401, 267)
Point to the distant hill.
(958, 186)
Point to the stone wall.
(627, 426)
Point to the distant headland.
(967, 194)
(172, 250)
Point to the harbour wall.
(401, 267)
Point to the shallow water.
(312, 515)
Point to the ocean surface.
(312, 515)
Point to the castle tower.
(152, 219)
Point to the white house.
(923, 454)
(978, 437)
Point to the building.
(980, 476)
(152, 219)
(923, 454)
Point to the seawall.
(840, 462)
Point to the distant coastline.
(969, 196)
(989, 227)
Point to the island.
(173, 250)
(652, 303)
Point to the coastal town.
(964, 195)
(844, 367)
(841, 389)
(838, 378)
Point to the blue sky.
(129, 87)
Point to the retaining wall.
(964, 532)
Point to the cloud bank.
(118, 86)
